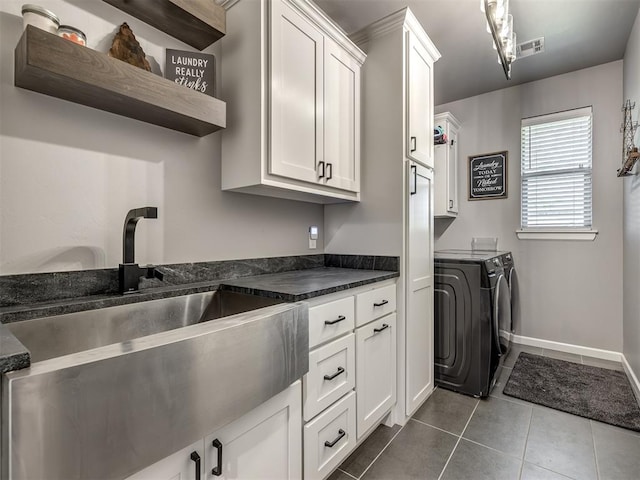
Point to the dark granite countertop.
(304, 284)
(340, 272)
(13, 355)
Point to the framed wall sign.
(488, 176)
(192, 69)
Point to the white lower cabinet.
(350, 387)
(329, 438)
(375, 371)
(265, 443)
(352, 340)
(187, 464)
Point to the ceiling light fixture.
(500, 26)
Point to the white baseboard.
(633, 380)
(569, 348)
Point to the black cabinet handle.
(217, 471)
(331, 377)
(383, 327)
(383, 302)
(450, 203)
(341, 433)
(414, 143)
(414, 190)
(321, 165)
(330, 171)
(196, 458)
(333, 322)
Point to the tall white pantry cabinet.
(395, 214)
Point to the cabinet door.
(452, 172)
(265, 443)
(296, 95)
(341, 118)
(420, 99)
(419, 319)
(182, 465)
(375, 371)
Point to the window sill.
(554, 234)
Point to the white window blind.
(556, 170)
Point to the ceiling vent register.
(531, 47)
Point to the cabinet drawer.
(331, 374)
(330, 438)
(375, 304)
(330, 320)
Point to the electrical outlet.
(313, 236)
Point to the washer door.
(502, 315)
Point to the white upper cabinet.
(297, 84)
(420, 104)
(446, 168)
(291, 79)
(342, 118)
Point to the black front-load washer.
(472, 314)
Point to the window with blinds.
(556, 170)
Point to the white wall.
(571, 291)
(632, 212)
(69, 174)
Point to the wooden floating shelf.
(52, 65)
(198, 23)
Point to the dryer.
(472, 314)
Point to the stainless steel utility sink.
(114, 390)
(51, 337)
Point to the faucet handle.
(153, 272)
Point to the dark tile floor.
(456, 437)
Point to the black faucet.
(129, 272)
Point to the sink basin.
(114, 390)
(51, 337)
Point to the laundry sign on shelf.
(193, 70)
(488, 176)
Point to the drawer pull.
(333, 322)
(331, 377)
(341, 433)
(217, 471)
(383, 327)
(196, 458)
(383, 302)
